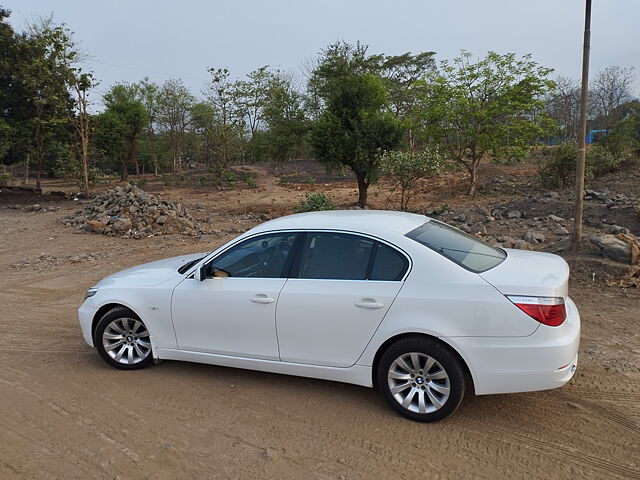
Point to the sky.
(126, 40)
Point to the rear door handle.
(262, 298)
(369, 303)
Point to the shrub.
(230, 178)
(405, 169)
(204, 180)
(315, 202)
(250, 180)
(558, 168)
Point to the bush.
(558, 168)
(250, 180)
(602, 160)
(315, 202)
(230, 178)
(559, 164)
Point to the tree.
(148, 94)
(285, 119)
(491, 108)
(204, 125)
(354, 124)
(404, 78)
(251, 96)
(223, 96)
(405, 169)
(563, 107)
(121, 126)
(609, 89)
(42, 108)
(174, 104)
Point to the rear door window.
(336, 256)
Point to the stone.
(615, 229)
(594, 195)
(521, 245)
(612, 248)
(533, 237)
(94, 226)
(551, 195)
(514, 214)
(560, 230)
(483, 211)
(555, 218)
(161, 220)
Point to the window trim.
(297, 253)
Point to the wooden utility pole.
(576, 239)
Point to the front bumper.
(86, 315)
(544, 360)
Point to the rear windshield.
(463, 249)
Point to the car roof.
(357, 220)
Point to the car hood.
(529, 273)
(152, 273)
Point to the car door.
(340, 289)
(232, 311)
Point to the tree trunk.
(412, 141)
(473, 170)
(363, 186)
(125, 171)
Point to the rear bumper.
(545, 359)
(85, 315)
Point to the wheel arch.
(102, 311)
(391, 340)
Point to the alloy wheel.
(126, 341)
(418, 382)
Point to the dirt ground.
(66, 414)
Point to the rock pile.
(129, 211)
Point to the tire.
(427, 392)
(122, 340)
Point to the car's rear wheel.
(421, 379)
(122, 339)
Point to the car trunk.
(531, 274)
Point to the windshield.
(463, 249)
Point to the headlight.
(91, 292)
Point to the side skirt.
(357, 374)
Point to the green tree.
(174, 104)
(286, 121)
(404, 78)
(121, 125)
(43, 108)
(148, 94)
(204, 127)
(405, 169)
(223, 95)
(491, 108)
(354, 124)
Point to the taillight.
(547, 310)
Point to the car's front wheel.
(122, 339)
(421, 379)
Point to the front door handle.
(262, 298)
(369, 303)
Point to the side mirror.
(201, 273)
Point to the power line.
(148, 71)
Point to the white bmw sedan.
(383, 299)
